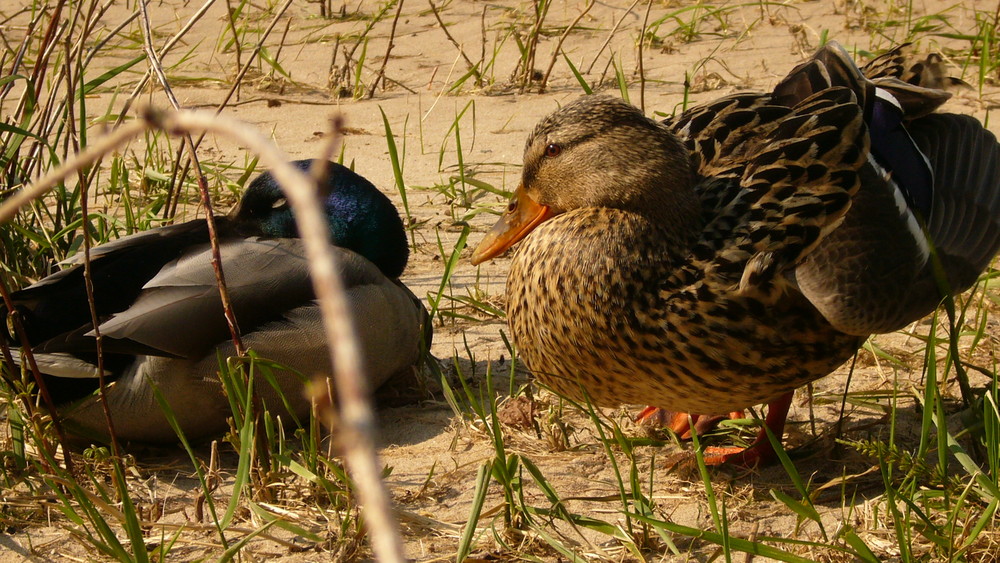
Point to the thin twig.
(9, 375)
(213, 237)
(170, 205)
(19, 57)
(172, 196)
(140, 87)
(88, 277)
(444, 28)
(610, 35)
(555, 52)
(333, 63)
(98, 47)
(277, 53)
(642, 73)
(14, 318)
(44, 49)
(206, 198)
(482, 48)
(357, 423)
(344, 71)
(237, 46)
(541, 10)
(388, 50)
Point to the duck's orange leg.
(760, 452)
(679, 422)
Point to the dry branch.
(380, 76)
(556, 51)
(444, 28)
(614, 30)
(357, 423)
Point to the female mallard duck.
(162, 322)
(746, 247)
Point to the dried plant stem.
(607, 41)
(333, 62)
(96, 48)
(45, 49)
(281, 46)
(357, 422)
(172, 197)
(482, 48)
(642, 72)
(15, 321)
(213, 237)
(253, 55)
(444, 28)
(531, 47)
(141, 85)
(237, 46)
(345, 71)
(88, 281)
(380, 76)
(356, 427)
(19, 57)
(170, 205)
(206, 198)
(555, 52)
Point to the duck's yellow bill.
(522, 215)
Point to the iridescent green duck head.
(597, 151)
(361, 217)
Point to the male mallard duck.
(162, 322)
(746, 247)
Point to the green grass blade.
(478, 498)
(738, 544)
(397, 173)
(579, 77)
(861, 549)
(449, 269)
(91, 85)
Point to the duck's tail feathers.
(901, 63)
(895, 63)
(62, 365)
(964, 224)
(919, 84)
(830, 67)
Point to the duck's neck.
(627, 250)
(661, 188)
(675, 212)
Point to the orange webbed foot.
(680, 423)
(761, 452)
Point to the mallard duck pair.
(748, 246)
(162, 322)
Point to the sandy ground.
(745, 48)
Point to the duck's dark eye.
(552, 150)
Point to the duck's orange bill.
(522, 215)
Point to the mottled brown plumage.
(742, 249)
